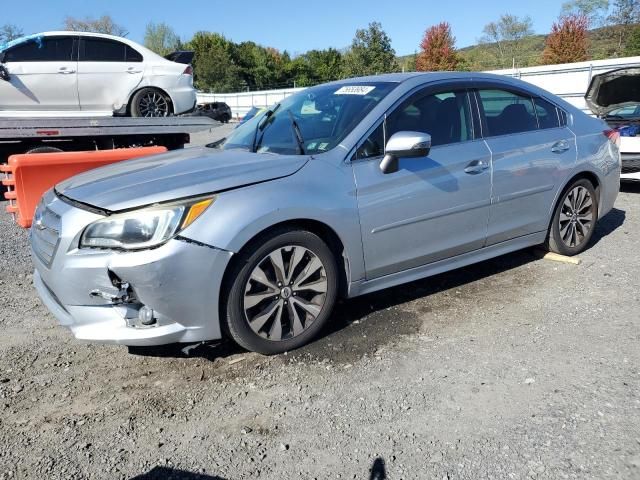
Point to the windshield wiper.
(262, 124)
(297, 133)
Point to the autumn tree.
(370, 53)
(104, 24)
(438, 51)
(568, 40)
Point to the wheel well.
(325, 232)
(592, 178)
(164, 92)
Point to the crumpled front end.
(147, 297)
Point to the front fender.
(319, 191)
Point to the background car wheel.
(574, 219)
(44, 150)
(281, 293)
(150, 102)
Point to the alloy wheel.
(285, 293)
(576, 216)
(153, 104)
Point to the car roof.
(427, 76)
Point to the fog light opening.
(146, 316)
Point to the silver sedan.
(340, 190)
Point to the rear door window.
(42, 49)
(507, 112)
(132, 55)
(102, 50)
(547, 114)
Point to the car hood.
(612, 90)
(174, 175)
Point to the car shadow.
(168, 473)
(630, 187)
(607, 225)
(377, 471)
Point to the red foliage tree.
(568, 41)
(438, 51)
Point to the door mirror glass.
(4, 73)
(404, 145)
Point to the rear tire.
(574, 219)
(280, 293)
(151, 103)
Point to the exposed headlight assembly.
(145, 228)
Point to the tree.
(594, 10)
(161, 39)
(438, 51)
(9, 32)
(632, 47)
(104, 24)
(214, 69)
(507, 34)
(625, 14)
(370, 53)
(568, 40)
(314, 67)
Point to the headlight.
(144, 228)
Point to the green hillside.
(603, 43)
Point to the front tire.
(281, 293)
(150, 103)
(574, 219)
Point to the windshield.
(629, 111)
(312, 121)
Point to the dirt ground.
(510, 369)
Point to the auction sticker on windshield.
(354, 90)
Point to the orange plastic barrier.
(28, 176)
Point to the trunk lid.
(612, 90)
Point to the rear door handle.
(475, 167)
(132, 70)
(560, 146)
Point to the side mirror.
(404, 145)
(4, 73)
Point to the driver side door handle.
(560, 146)
(475, 167)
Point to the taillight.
(188, 70)
(613, 135)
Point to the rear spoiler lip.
(184, 57)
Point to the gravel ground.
(513, 368)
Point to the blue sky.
(293, 25)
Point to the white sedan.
(89, 74)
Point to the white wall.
(569, 81)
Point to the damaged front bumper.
(140, 298)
